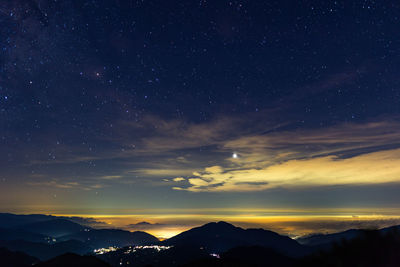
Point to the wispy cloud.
(343, 154)
(179, 179)
(111, 177)
(66, 185)
(269, 154)
(370, 168)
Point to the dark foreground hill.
(245, 257)
(16, 259)
(220, 237)
(370, 249)
(73, 260)
(175, 256)
(46, 251)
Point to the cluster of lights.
(101, 251)
(155, 247)
(50, 239)
(158, 248)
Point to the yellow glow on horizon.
(288, 221)
(294, 225)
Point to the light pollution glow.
(304, 223)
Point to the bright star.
(235, 155)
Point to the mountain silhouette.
(325, 241)
(71, 259)
(18, 234)
(245, 257)
(394, 228)
(369, 249)
(329, 239)
(46, 251)
(16, 259)
(54, 227)
(220, 237)
(9, 220)
(98, 238)
(235, 246)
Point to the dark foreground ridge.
(70, 259)
(26, 240)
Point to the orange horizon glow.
(292, 225)
(292, 222)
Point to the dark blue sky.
(119, 105)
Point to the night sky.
(265, 113)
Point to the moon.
(235, 155)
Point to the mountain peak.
(224, 223)
(220, 236)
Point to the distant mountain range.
(45, 236)
(8, 220)
(326, 240)
(19, 234)
(101, 238)
(54, 227)
(48, 238)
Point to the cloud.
(66, 185)
(201, 152)
(153, 134)
(55, 184)
(347, 137)
(155, 172)
(179, 179)
(370, 168)
(255, 140)
(111, 177)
